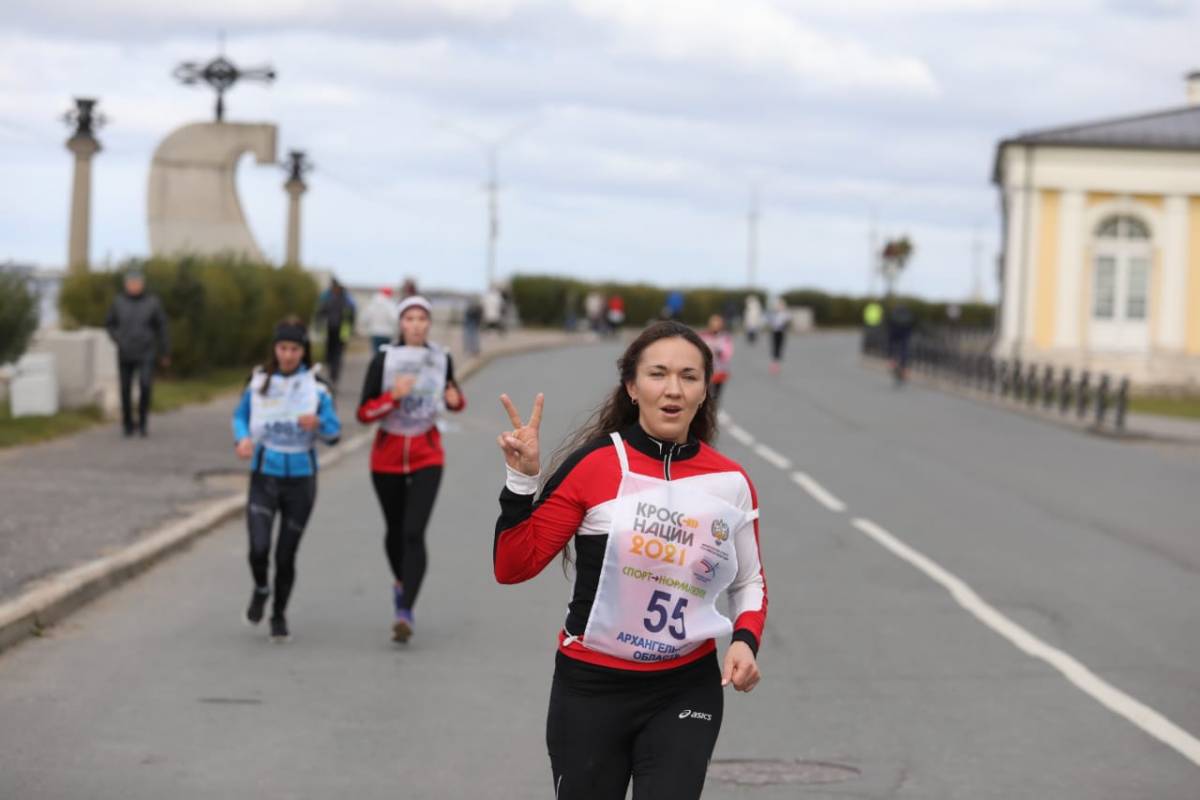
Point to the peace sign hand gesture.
(520, 445)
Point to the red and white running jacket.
(576, 504)
(392, 452)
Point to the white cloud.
(756, 36)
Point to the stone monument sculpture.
(192, 202)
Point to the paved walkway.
(68, 501)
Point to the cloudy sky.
(642, 125)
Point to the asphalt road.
(876, 679)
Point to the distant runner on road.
(405, 388)
(721, 344)
(284, 409)
(662, 524)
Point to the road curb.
(50, 600)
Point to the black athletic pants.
(145, 377)
(407, 502)
(292, 499)
(777, 340)
(606, 726)
(333, 354)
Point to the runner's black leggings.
(292, 499)
(407, 502)
(606, 726)
(777, 341)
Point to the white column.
(1173, 241)
(1071, 235)
(1029, 283)
(1012, 270)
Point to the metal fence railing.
(961, 360)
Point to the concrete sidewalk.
(83, 497)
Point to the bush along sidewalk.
(220, 311)
(547, 299)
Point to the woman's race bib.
(417, 411)
(274, 417)
(670, 554)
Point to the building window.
(1122, 227)
(1139, 282)
(1106, 287)
(1121, 277)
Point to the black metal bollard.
(1122, 404)
(1018, 380)
(1064, 391)
(990, 375)
(1031, 385)
(1102, 400)
(1048, 388)
(1083, 398)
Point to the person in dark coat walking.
(137, 324)
(336, 309)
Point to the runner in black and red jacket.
(406, 385)
(662, 524)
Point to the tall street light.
(491, 151)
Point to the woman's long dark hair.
(618, 411)
(272, 364)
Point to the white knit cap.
(416, 301)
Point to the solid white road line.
(1105, 693)
(772, 457)
(818, 492)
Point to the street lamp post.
(491, 153)
(297, 166)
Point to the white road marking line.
(771, 456)
(724, 418)
(1105, 693)
(742, 435)
(818, 492)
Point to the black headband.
(285, 332)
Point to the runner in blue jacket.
(283, 411)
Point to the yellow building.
(1101, 264)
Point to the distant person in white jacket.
(779, 320)
(380, 318)
(752, 317)
(493, 310)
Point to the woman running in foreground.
(662, 524)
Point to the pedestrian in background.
(284, 409)
(137, 325)
(616, 313)
(472, 322)
(493, 310)
(721, 344)
(779, 320)
(752, 318)
(593, 309)
(380, 318)
(336, 310)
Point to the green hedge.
(18, 314)
(544, 300)
(221, 311)
(841, 311)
